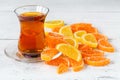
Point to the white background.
(104, 13)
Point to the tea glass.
(31, 40)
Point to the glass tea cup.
(32, 36)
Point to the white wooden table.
(103, 14)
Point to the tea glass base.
(12, 51)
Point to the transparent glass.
(31, 40)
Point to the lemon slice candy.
(90, 40)
(69, 51)
(78, 35)
(72, 42)
(54, 23)
(66, 31)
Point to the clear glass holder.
(32, 36)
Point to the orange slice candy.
(105, 45)
(76, 65)
(58, 61)
(52, 39)
(84, 26)
(62, 68)
(92, 53)
(84, 47)
(99, 36)
(96, 61)
(48, 54)
(87, 51)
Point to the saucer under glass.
(12, 51)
